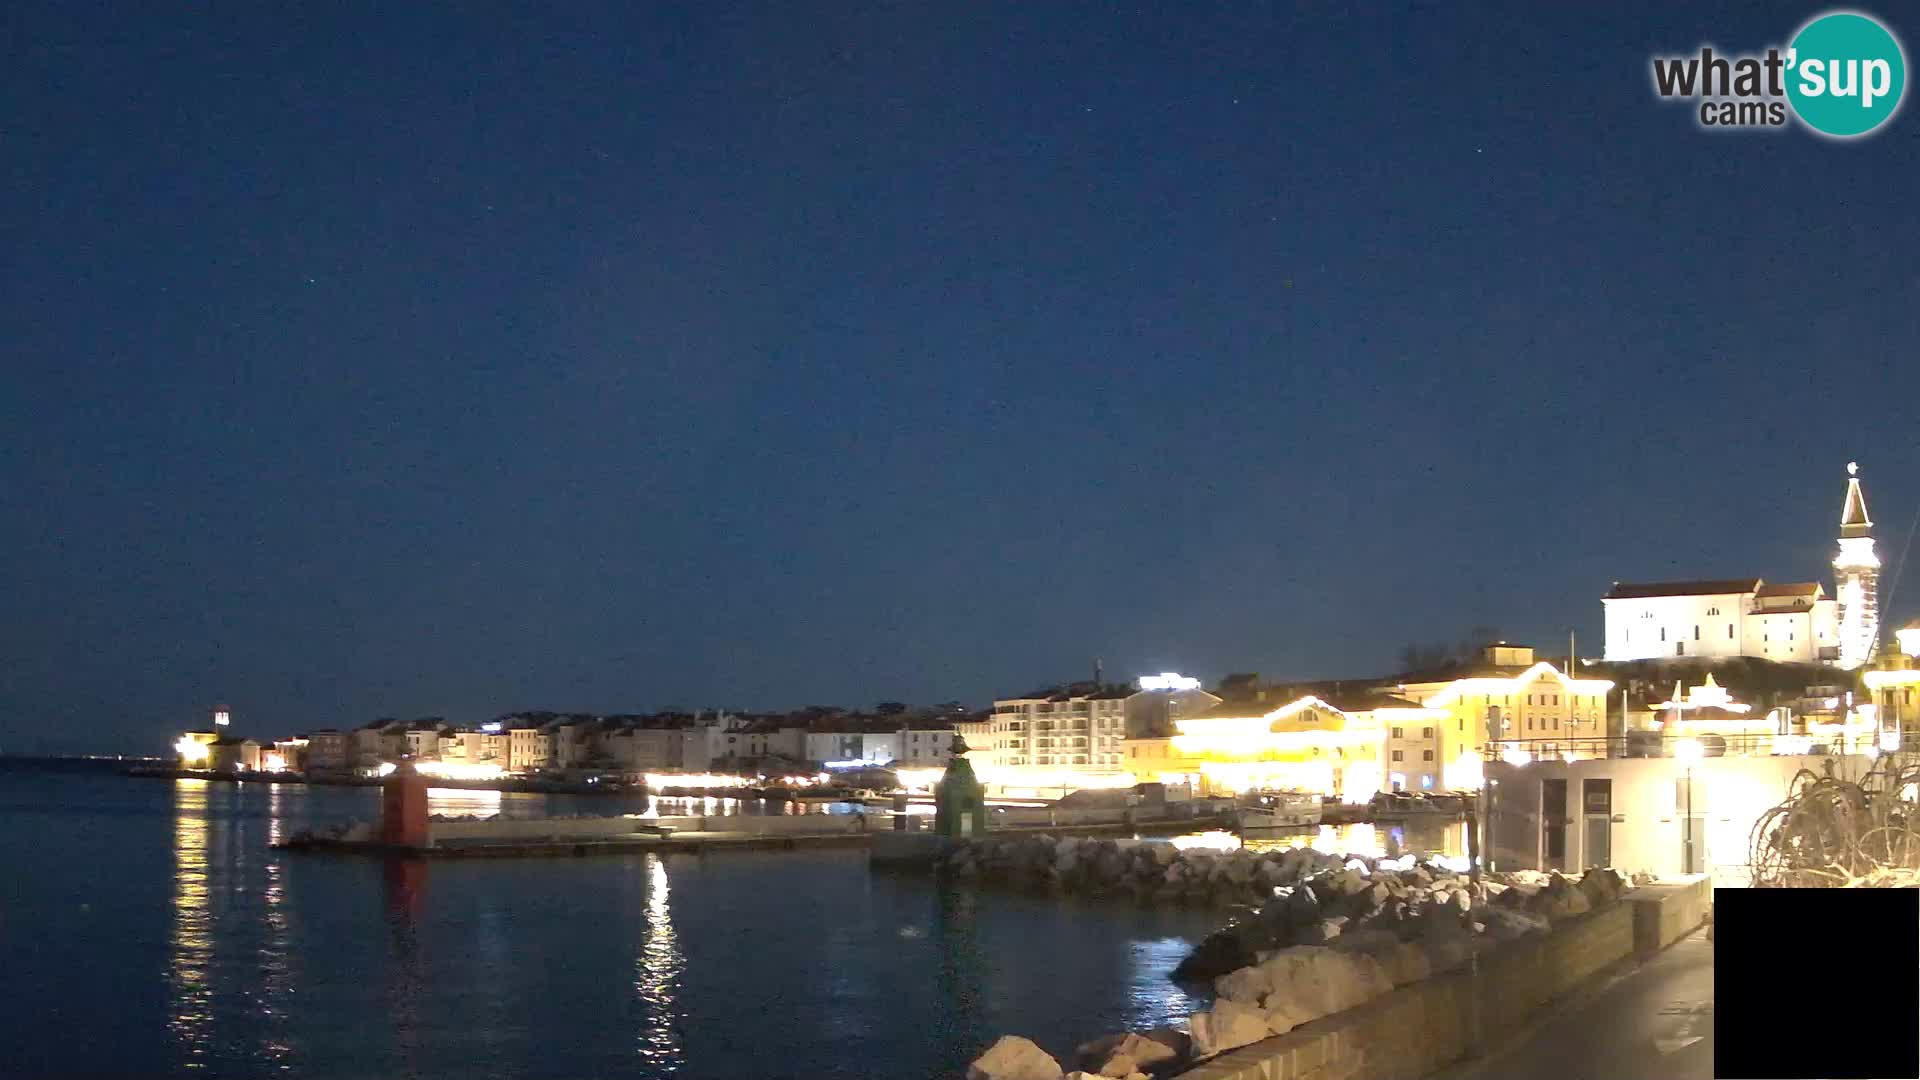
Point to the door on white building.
(1597, 806)
(1553, 824)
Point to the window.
(1663, 633)
(1713, 611)
(1426, 733)
(1529, 723)
(1556, 723)
(1396, 755)
(1729, 631)
(1426, 755)
(1397, 732)
(1696, 631)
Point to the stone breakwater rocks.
(1014, 1058)
(1147, 872)
(1333, 934)
(1370, 901)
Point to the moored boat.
(1278, 810)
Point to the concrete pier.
(528, 837)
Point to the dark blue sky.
(410, 361)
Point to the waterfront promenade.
(1653, 1021)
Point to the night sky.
(404, 361)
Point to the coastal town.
(1658, 755)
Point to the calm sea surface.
(146, 929)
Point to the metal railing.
(1657, 745)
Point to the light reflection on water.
(754, 964)
(191, 951)
(1152, 997)
(275, 955)
(656, 973)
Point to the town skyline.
(349, 377)
(1457, 647)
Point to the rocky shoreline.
(1316, 934)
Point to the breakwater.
(1328, 934)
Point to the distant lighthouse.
(1856, 578)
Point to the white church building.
(1795, 622)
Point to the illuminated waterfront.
(224, 958)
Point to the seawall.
(1424, 1026)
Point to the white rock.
(1310, 982)
(1130, 1054)
(1014, 1058)
(1227, 1025)
(1348, 882)
(1246, 985)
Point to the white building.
(1666, 816)
(1162, 699)
(1053, 736)
(871, 747)
(1789, 623)
(925, 747)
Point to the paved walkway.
(1655, 1022)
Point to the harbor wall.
(1425, 1026)
(600, 828)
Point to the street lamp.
(1689, 751)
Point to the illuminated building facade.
(1513, 704)
(1306, 744)
(1856, 578)
(1793, 622)
(528, 748)
(231, 753)
(1076, 729)
(1663, 815)
(1894, 683)
(194, 750)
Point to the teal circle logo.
(1845, 74)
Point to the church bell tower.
(1856, 578)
